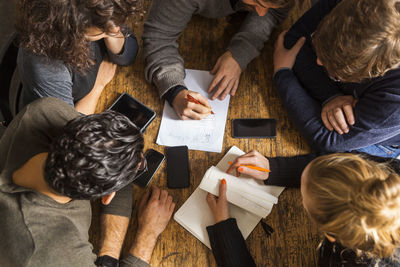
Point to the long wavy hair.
(56, 29)
(357, 201)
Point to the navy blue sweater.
(307, 87)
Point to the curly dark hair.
(94, 156)
(56, 28)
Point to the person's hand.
(219, 205)
(338, 113)
(154, 212)
(285, 58)
(105, 74)
(227, 73)
(187, 110)
(252, 158)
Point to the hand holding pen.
(189, 109)
(253, 164)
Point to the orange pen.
(252, 167)
(194, 100)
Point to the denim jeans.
(381, 151)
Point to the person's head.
(94, 156)
(61, 29)
(354, 201)
(359, 39)
(262, 6)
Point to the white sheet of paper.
(206, 134)
(240, 193)
(195, 215)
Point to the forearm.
(115, 44)
(113, 231)
(308, 22)
(286, 171)
(368, 129)
(143, 246)
(166, 20)
(247, 43)
(87, 105)
(228, 245)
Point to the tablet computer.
(136, 111)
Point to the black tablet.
(137, 112)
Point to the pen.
(252, 167)
(194, 100)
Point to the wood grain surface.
(295, 238)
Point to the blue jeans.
(381, 151)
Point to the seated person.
(72, 50)
(353, 198)
(343, 93)
(164, 66)
(52, 162)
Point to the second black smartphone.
(254, 128)
(154, 160)
(137, 112)
(178, 174)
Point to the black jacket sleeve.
(312, 77)
(286, 171)
(228, 245)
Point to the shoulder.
(41, 67)
(48, 115)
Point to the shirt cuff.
(281, 69)
(128, 53)
(330, 98)
(172, 93)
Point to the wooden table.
(295, 238)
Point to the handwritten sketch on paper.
(206, 134)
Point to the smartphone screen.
(137, 112)
(178, 175)
(254, 128)
(154, 160)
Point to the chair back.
(8, 64)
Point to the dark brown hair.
(56, 28)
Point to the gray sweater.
(35, 230)
(168, 18)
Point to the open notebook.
(250, 200)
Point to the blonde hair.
(357, 201)
(359, 39)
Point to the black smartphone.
(154, 160)
(178, 174)
(254, 128)
(137, 112)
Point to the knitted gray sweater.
(168, 18)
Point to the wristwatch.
(106, 261)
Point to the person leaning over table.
(164, 66)
(353, 198)
(70, 49)
(342, 88)
(53, 161)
